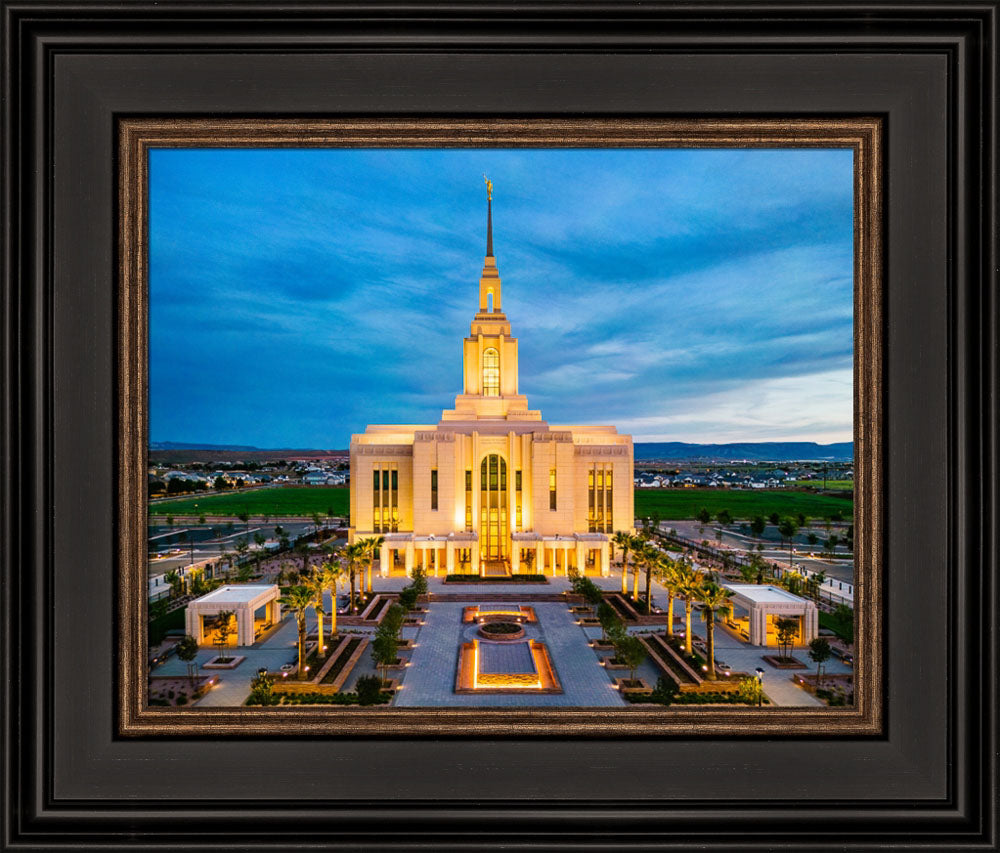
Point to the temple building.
(492, 488)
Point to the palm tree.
(317, 585)
(373, 546)
(333, 570)
(788, 528)
(355, 554)
(689, 586)
(650, 554)
(624, 541)
(667, 574)
(637, 543)
(302, 549)
(713, 599)
(299, 599)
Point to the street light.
(760, 686)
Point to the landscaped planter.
(218, 663)
(784, 663)
(635, 686)
(611, 663)
(501, 630)
(598, 646)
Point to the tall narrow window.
(468, 500)
(395, 500)
(552, 489)
(517, 500)
(491, 373)
(434, 488)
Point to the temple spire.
(489, 217)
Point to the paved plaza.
(429, 680)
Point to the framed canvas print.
(500, 569)
(483, 427)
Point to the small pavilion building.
(492, 488)
(754, 609)
(255, 606)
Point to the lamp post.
(760, 687)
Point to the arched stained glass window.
(491, 373)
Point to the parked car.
(844, 655)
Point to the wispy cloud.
(296, 296)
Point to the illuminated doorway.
(493, 509)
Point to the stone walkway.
(430, 680)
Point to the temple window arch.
(491, 372)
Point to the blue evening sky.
(682, 295)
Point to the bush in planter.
(609, 620)
(408, 598)
(369, 689)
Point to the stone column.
(244, 626)
(474, 551)
(450, 557)
(383, 560)
(581, 557)
(515, 558)
(192, 624)
(409, 559)
(605, 559)
(539, 558)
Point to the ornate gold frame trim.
(137, 136)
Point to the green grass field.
(670, 504)
(293, 500)
(678, 504)
(837, 485)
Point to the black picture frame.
(71, 69)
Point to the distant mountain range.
(750, 451)
(675, 451)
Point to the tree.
(302, 550)
(332, 571)
(385, 647)
(725, 518)
(787, 629)
(803, 519)
(187, 651)
(788, 528)
(418, 580)
(608, 618)
(833, 540)
(355, 554)
(223, 627)
(372, 548)
(689, 587)
(592, 593)
(630, 651)
(819, 651)
(317, 583)
(648, 555)
(668, 574)
(299, 599)
(757, 526)
(714, 598)
(176, 583)
(385, 651)
(774, 518)
(220, 484)
(245, 518)
(624, 541)
(637, 543)
(259, 539)
(317, 520)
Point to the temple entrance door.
(493, 510)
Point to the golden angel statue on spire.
(489, 188)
